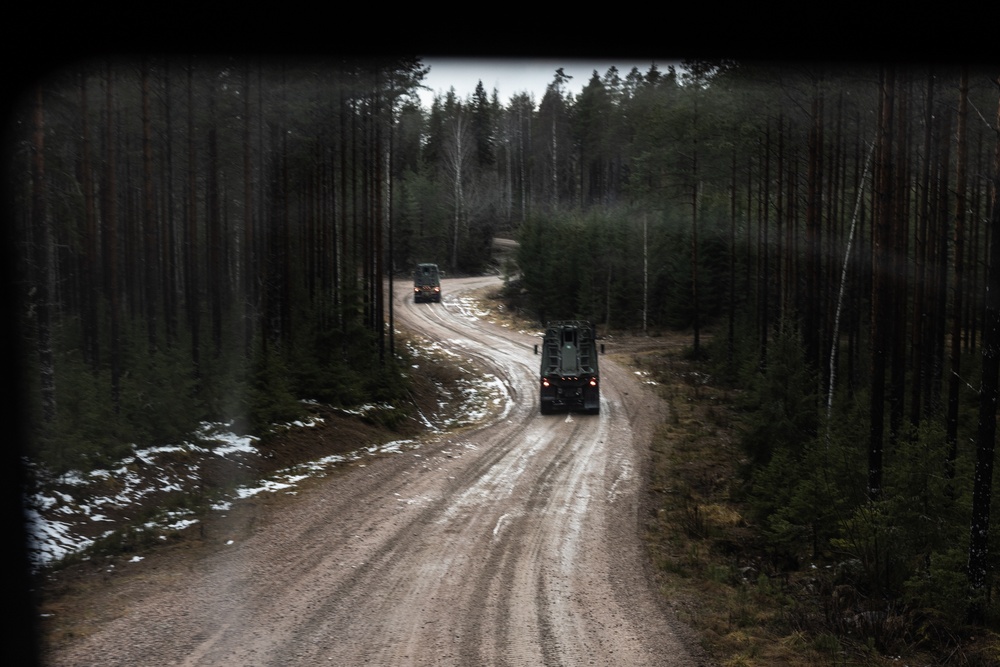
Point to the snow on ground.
(62, 514)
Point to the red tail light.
(593, 382)
(545, 382)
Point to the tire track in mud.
(488, 477)
(512, 543)
(521, 608)
(496, 583)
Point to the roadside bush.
(272, 399)
(780, 402)
(156, 404)
(941, 586)
(802, 500)
(158, 395)
(86, 432)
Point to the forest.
(209, 239)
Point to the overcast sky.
(511, 77)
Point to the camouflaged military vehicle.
(427, 283)
(569, 371)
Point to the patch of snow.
(69, 496)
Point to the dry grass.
(699, 538)
(747, 608)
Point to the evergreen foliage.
(224, 268)
(781, 402)
(232, 263)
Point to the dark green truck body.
(570, 374)
(427, 283)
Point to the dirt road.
(512, 544)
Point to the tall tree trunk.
(377, 214)
(389, 219)
(813, 304)
(900, 268)
(270, 296)
(90, 280)
(881, 265)
(731, 308)
(695, 296)
(954, 378)
(111, 244)
(525, 141)
(982, 491)
(848, 260)
(248, 257)
(44, 278)
(941, 255)
(215, 265)
(555, 164)
(779, 212)
(763, 250)
(191, 279)
(150, 229)
(285, 222)
(169, 279)
(345, 254)
(457, 154)
(922, 249)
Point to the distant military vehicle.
(569, 373)
(427, 283)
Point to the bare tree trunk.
(731, 333)
(938, 265)
(150, 228)
(779, 212)
(763, 249)
(954, 378)
(378, 216)
(525, 141)
(881, 264)
(389, 218)
(44, 278)
(214, 269)
(191, 279)
(458, 154)
(900, 235)
(248, 272)
(111, 245)
(843, 284)
(814, 235)
(285, 235)
(982, 491)
(90, 282)
(169, 279)
(922, 249)
(696, 324)
(555, 164)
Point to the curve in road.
(513, 543)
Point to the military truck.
(569, 371)
(426, 283)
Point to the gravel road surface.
(515, 543)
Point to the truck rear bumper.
(580, 398)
